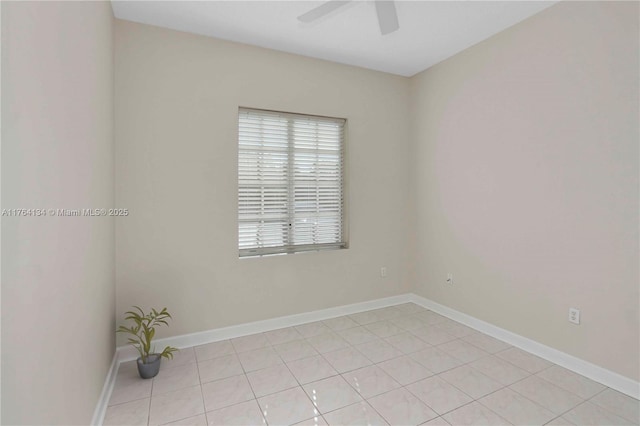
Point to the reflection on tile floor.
(400, 365)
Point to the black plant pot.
(149, 369)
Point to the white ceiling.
(430, 31)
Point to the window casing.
(290, 182)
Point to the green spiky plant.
(144, 329)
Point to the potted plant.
(143, 330)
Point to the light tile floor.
(401, 365)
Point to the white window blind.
(290, 182)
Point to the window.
(290, 182)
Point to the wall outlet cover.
(574, 315)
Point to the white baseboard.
(128, 353)
(599, 374)
(105, 395)
(594, 372)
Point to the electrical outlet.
(383, 271)
(449, 278)
(574, 315)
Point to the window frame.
(291, 213)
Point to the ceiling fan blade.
(322, 10)
(387, 16)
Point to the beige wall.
(177, 97)
(57, 152)
(525, 163)
(517, 171)
(513, 165)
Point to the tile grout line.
(513, 390)
(204, 406)
(460, 338)
(338, 374)
(341, 375)
(399, 331)
(150, 398)
(534, 402)
(607, 410)
(471, 402)
(567, 390)
(367, 399)
(237, 354)
(301, 387)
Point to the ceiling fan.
(386, 10)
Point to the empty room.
(320, 212)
